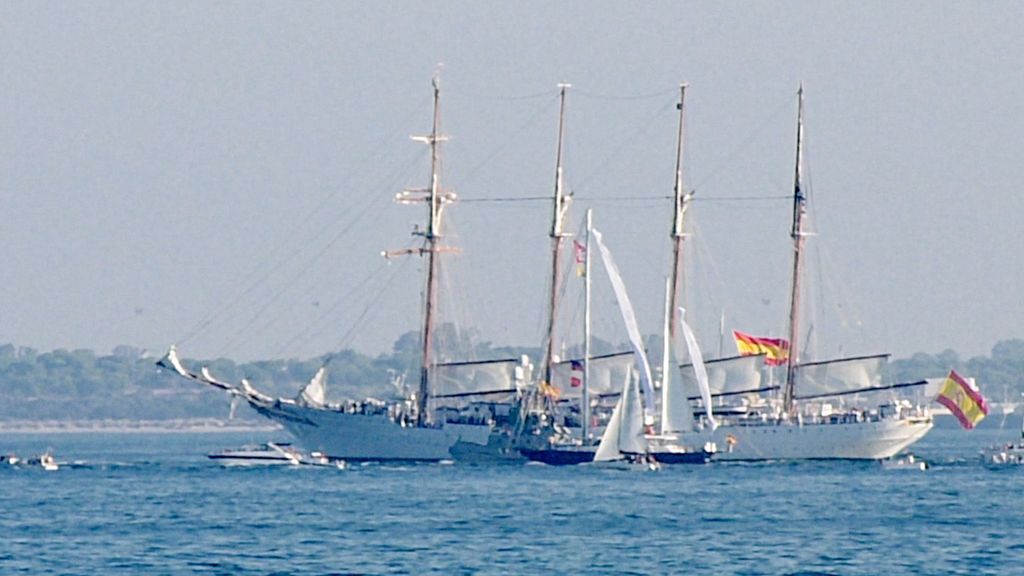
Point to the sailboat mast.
(560, 206)
(679, 212)
(585, 412)
(675, 280)
(797, 234)
(431, 236)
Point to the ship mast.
(560, 207)
(435, 198)
(798, 235)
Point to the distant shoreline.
(203, 425)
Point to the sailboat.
(808, 421)
(668, 445)
(623, 444)
(623, 440)
(441, 419)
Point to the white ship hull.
(868, 440)
(360, 437)
(375, 437)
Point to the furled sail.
(171, 361)
(728, 376)
(458, 383)
(839, 377)
(629, 317)
(608, 374)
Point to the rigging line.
(497, 200)
(277, 296)
(506, 142)
(727, 159)
(302, 338)
(519, 97)
(371, 153)
(315, 324)
(347, 338)
(649, 96)
(629, 139)
(292, 257)
(598, 199)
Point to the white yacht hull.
(868, 440)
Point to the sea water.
(154, 504)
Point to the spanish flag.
(776, 350)
(963, 400)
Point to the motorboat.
(273, 454)
(45, 460)
(905, 462)
(1004, 455)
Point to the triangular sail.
(631, 429)
(608, 449)
(625, 431)
(315, 392)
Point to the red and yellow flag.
(963, 400)
(580, 253)
(776, 350)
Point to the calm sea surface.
(154, 504)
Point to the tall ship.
(457, 410)
(830, 409)
(568, 415)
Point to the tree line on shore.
(127, 385)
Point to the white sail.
(842, 376)
(629, 317)
(315, 392)
(625, 430)
(676, 413)
(700, 373)
(631, 429)
(608, 374)
(209, 379)
(739, 374)
(608, 449)
(457, 382)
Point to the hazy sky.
(220, 174)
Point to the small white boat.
(1004, 455)
(273, 454)
(905, 462)
(10, 459)
(46, 461)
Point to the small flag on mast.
(575, 373)
(580, 252)
(776, 350)
(963, 399)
